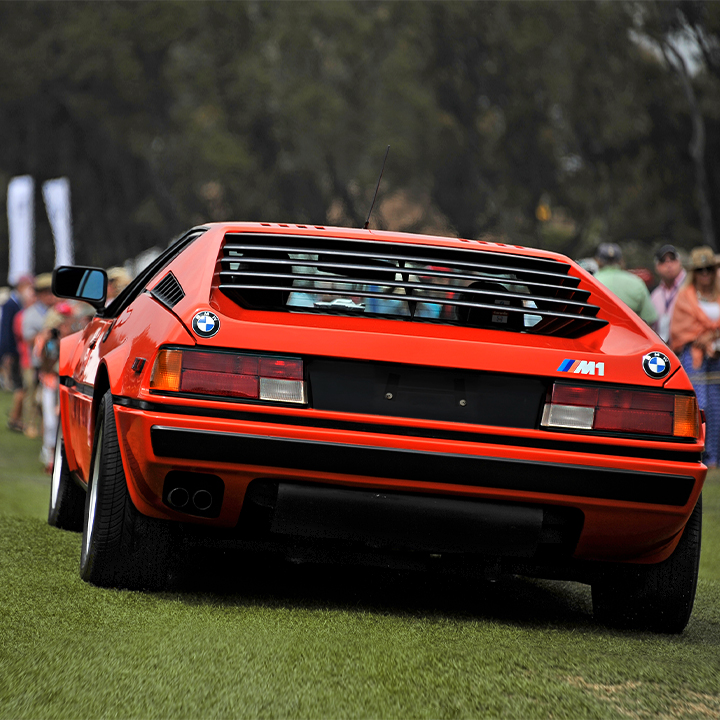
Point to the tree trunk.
(697, 143)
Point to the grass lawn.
(305, 642)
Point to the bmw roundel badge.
(656, 365)
(206, 324)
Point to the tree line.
(553, 125)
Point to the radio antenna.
(377, 187)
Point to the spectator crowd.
(32, 323)
(684, 310)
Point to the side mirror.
(81, 283)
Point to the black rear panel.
(422, 466)
(426, 393)
(410, 521)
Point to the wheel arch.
(102, 385)
(133, 480)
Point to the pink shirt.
(663, 298)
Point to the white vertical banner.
(21, 224)
(56, 194)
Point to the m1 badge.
(656, 365)
(206, 324)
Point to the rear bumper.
(423, 467)
(633, 507)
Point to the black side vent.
(408, 281)
(168, 291)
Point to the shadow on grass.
(238, 579)
(233, 578)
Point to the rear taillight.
(233, 375)
(620, 410)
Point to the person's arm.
(657, 301)
(647, 310)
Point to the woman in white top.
(695, 338)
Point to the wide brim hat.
(701, 257)
(119, 275)
(43, 282)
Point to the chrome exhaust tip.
(202, 500)
(178, 497)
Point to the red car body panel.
(613, 528)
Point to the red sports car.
(383, 396)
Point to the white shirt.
(711, 309)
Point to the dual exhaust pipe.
(193, 493)
(179, 498)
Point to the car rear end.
(433, 400)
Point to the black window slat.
(226, 282)
(374, 247)
(413, 298)
(467, 263)
(561, 291)
(474, 287)
(226, 261)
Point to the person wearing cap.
(22, 296)
(33, 320)
(628, 287)
(695, 339)
(672, 274)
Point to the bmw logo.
(656, 365)
(206, 324)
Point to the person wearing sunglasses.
(671, 273)
(695, 338)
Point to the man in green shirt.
(628, 287)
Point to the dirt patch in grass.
(630, 699)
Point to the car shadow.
(242, 579)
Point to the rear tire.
(121, 547)
(67, 498)
(652, 597)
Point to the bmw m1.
(384, 397)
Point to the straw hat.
(119, 275)
(43, 282)
(701, 257)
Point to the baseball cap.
(609, 252)
(660, 253)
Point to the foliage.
(547, 123)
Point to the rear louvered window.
(406, 281)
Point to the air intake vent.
(408, 281)
(168, 291)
